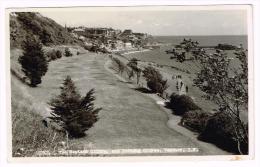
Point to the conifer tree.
(33, 61)
(75, 114)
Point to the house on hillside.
(128, 45)
(96, 32)
(79, 31)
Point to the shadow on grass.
(143, 90)
(128, 82)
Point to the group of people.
(179, 84)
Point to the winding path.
(128, 120)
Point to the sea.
(159, 55)
(206, 40)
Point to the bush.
(46, 37)
(195, 120)
(72, 112)
(133, 64)
(225, 47)
(120, 66)
(181, 104)
(68, 53)
(33, 61)
(220, 130)
(155, 80)
(51, 55)
(54, 55)
(58, 54)
(94, 48)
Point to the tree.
(121, 67)
(181, 57)
(33, 61)
(133, 64)
(46, 37)
(67, 52)
(228, 87)
(58, 54)
(72, 112)
(155, 80)
(188, 45)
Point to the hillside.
(52, 35)
(24, 24)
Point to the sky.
(156, 22)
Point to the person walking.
(187, 89)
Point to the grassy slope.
(28, 132)
(23, 24)
(190, 66)
(128, 119)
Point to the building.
(79, 31)
(96, 32)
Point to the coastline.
(136, 51)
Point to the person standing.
(187, 89)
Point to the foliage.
(220, 131)
(58, 54)
(188, 45)
(227, 86)
(195, 120)
(34, 24)
(53, 55)
(29, 135)
(181, 104)
(225, 47)
(46, 37)
(133, 64)
(121, 67)
(33, 61)
(75, 114)
(155, 80)
(181, 57)
(94, 48)
(68, 53)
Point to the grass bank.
(29, 134)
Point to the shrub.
(68, 53)
(181, 104)
(72, 112)
(33, 61)
(94, 48)
(195, 120)
(133, 64)
(54, 55)
(181, 57)
(225, 47)
(51, 55)
(155, 80)
(58, 54)
(220, 130)
(120, 66)
(46, 37)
